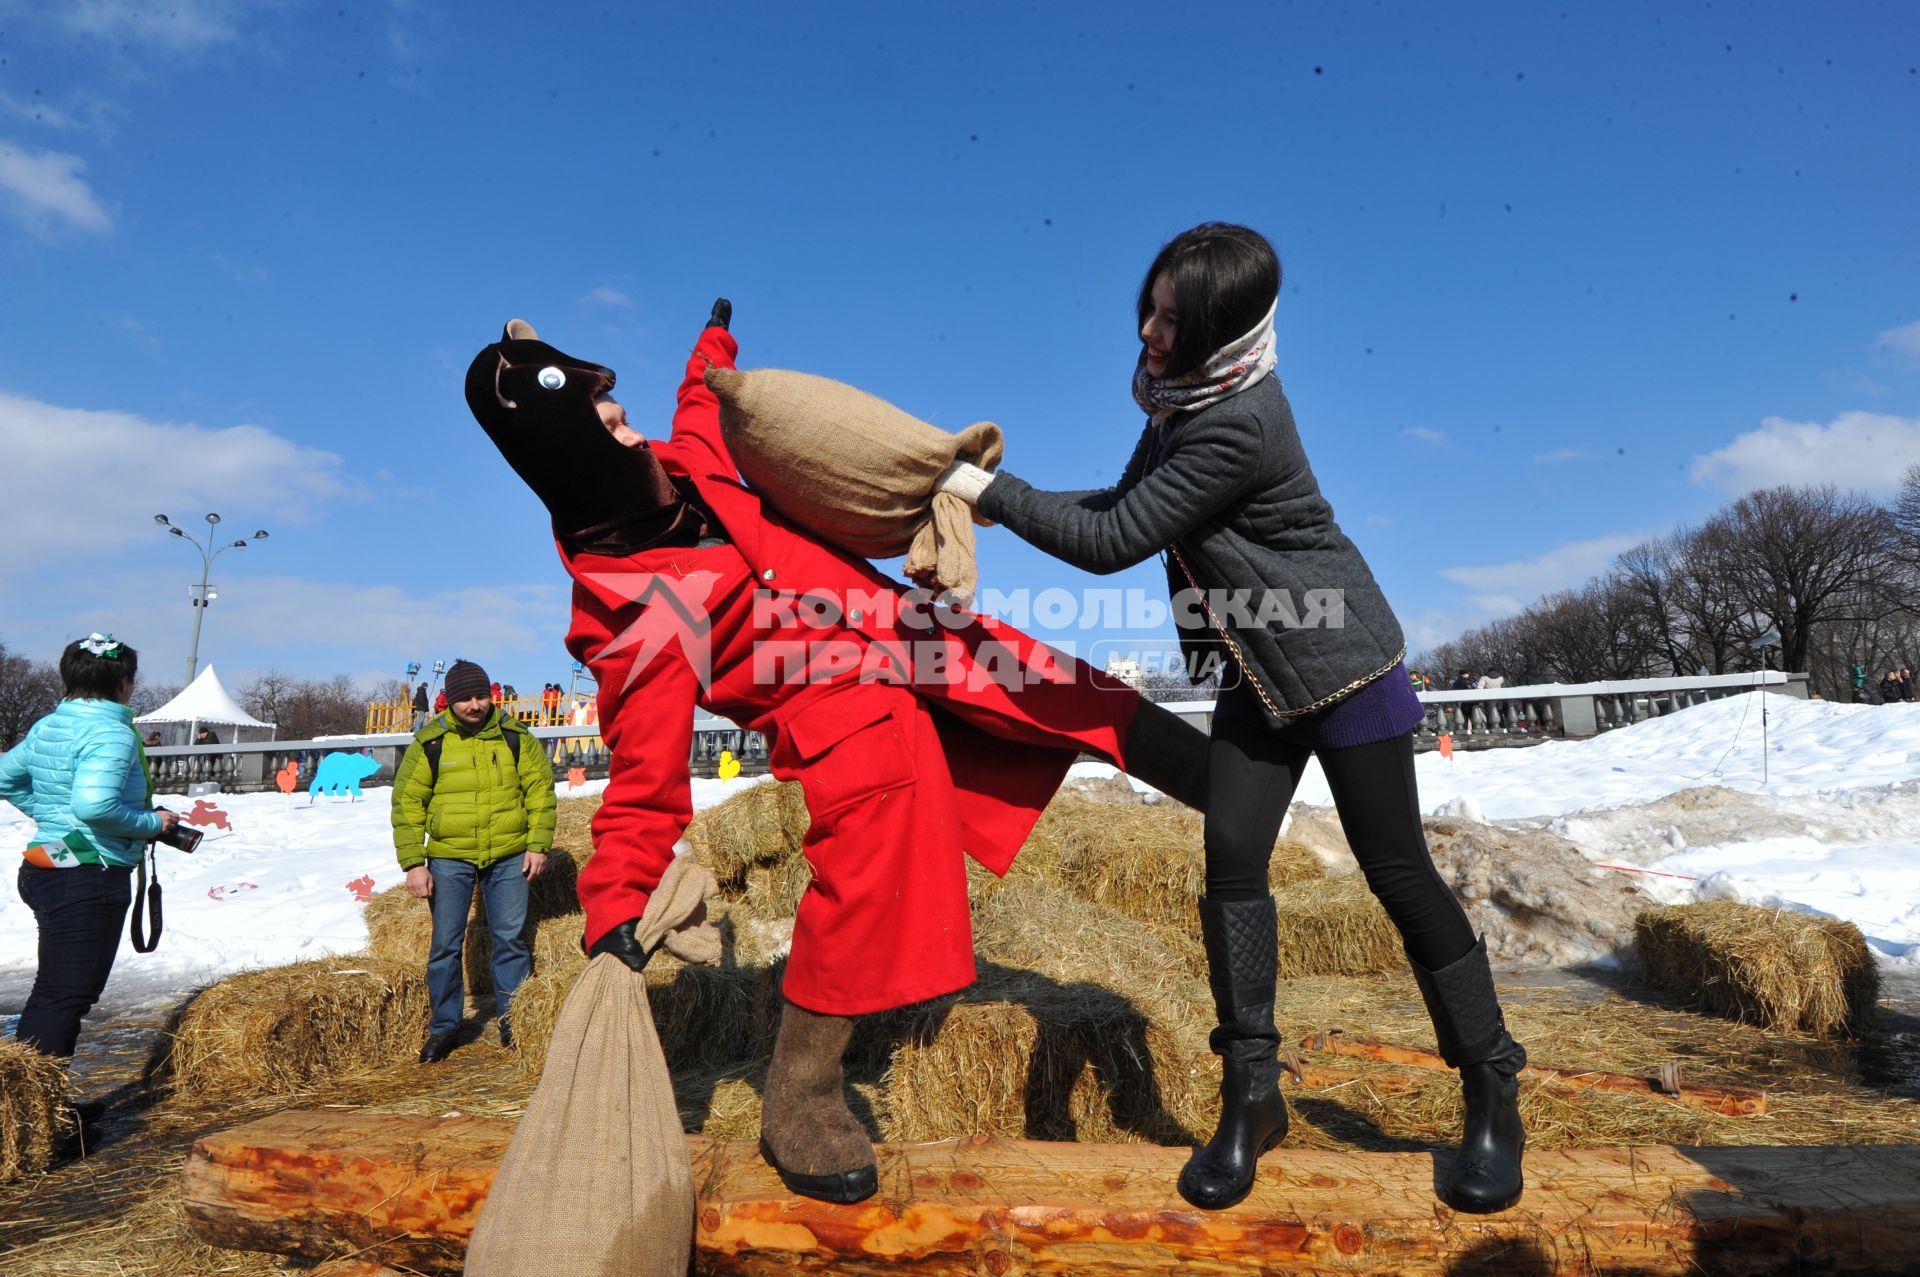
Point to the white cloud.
(79, 482)
(47, 193)
(1559, 455)
(1501, 589)
(177, 26)
(241, 273)
(309, 628)
(605, 295)
(1904, 340)
(1427, 435)
(1864, 450)
(375, 621)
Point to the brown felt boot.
(807, 1132)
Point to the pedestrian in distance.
(473, 809)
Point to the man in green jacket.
(472, 805)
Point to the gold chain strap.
(1246, 669)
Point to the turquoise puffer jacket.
(79, 769)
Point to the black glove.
(624, 945)
(722, 316)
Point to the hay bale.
(1785, 971)
(573, 827)
(1050, 931)
(34, 1116)
(283, 1029)
(1024, 1056)
(400, 927)
(707, 1017)
(1148, 861)
(1334, 926)
(763, 824)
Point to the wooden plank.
(1729, 1100)
(405, 1191)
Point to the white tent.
(204, 702)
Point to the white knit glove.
(964, 480)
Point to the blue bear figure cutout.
(338, 772)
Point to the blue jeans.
(503, 884)
(78, 912)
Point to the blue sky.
(1555, 280)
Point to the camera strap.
(146, 899)
(146, 896)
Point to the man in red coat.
(920, 734)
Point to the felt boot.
(807, 1132)
(1168, 753)
(1242, 945)
(1486, 1176)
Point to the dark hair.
(84, 676)
(1224, 277)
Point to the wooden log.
(405, 1191)
(1729, 1100)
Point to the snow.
(1830, 825)
(1834, 828)
(283, 884)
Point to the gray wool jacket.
(1230, 490)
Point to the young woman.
(79, 775)
(1266, 583)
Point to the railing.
(257, 766)
(1542, 711)
(398, 716)
(1475, 719)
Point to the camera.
(181, 838)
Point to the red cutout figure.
(576, 777)
(362, 888)
(287, 777)
(205, 813)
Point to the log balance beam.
(379, 1188)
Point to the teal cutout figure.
(341, 771)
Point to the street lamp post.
(205, 594)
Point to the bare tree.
(267, 697)
(29, 690)
(1796, 556)
(1906, 517)
(148, 698)
(1646, 573)
(305, 708)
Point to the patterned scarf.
(1233, 368)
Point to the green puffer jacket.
(482, 809)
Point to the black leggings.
(1251, 781)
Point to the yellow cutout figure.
(729, 765)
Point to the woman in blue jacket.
(80, 775)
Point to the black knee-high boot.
(1242, 942)
(1486, 1176)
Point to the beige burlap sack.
(597, 1182)
(854, 470)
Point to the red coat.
(1003, 776)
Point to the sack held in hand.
(854, 470)
(597, 1181)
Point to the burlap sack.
(854, 470)
(597, 1182)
